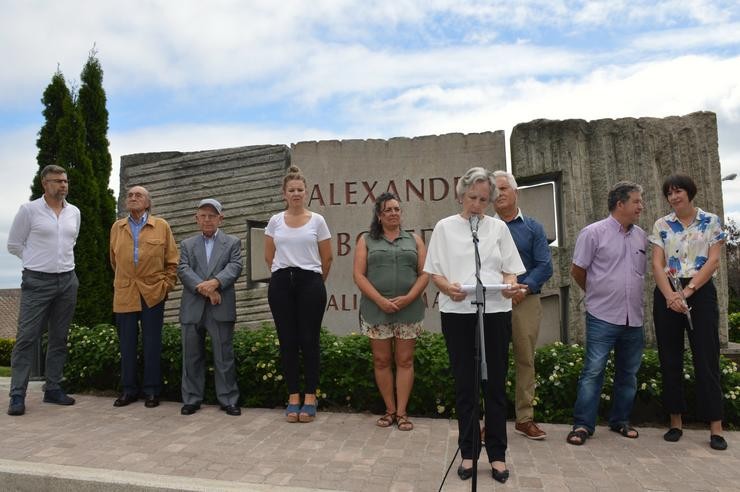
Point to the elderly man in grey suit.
(210, 263)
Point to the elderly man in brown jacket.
(144, 257)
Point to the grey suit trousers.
(194, 360)
(44, 297)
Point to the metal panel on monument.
(344, 177)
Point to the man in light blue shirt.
(526, 314)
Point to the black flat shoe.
(464, 473)
(124, 400)
(151, 401)
(58, 397)
(189, 409)
(231, 410)
(717, 442)
(500, 476)
(673, 434)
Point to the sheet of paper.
(470, 289)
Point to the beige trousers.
(525, 328)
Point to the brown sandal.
(403, 423)
(386, 420)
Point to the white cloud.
(222, 43)
(665, 88)
(683, 39)
(17, 168)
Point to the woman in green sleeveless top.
(388, 271)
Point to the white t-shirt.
(452, 255)
(297, 246)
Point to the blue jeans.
(627, 342)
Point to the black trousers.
(704, 342)
(459, 332)
(297, 300)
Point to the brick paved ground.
(160, 448)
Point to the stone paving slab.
(92, 443)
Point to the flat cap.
(212, 203)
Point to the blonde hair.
(294, 173)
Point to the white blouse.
(451, 254)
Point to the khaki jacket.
(156, 272)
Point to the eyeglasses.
(137, 194)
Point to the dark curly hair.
(376, 230)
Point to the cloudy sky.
(193, 75)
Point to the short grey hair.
(475, 175)
(52, 169)
(509, 177)
(620, 193)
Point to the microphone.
(474, 221)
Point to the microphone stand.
(481, 366)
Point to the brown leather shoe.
(530, 430)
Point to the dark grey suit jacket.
(225, 265)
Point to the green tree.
(91, 102)
(54, 98)
(63, 141)
(90, 265)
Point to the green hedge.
(6, 348)
(733, 323)
(347, 376)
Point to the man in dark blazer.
(210, 263)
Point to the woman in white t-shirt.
(451, 263)
(298, 252)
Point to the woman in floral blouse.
(687, 244)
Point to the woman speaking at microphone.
(451, 263)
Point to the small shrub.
(557, 369)
(6, 349)
(434, 390)
(258, 368)
(733, 327)
(93, 359)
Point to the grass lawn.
(4, 371)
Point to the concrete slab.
(94, 446)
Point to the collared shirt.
(615, 260)
(135, 231)
(209, 242)
(531, 242)
(42, 240)
(687, 249)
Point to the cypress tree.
(54, 98)
(91, 102)
(63, 141)
(84, 193)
